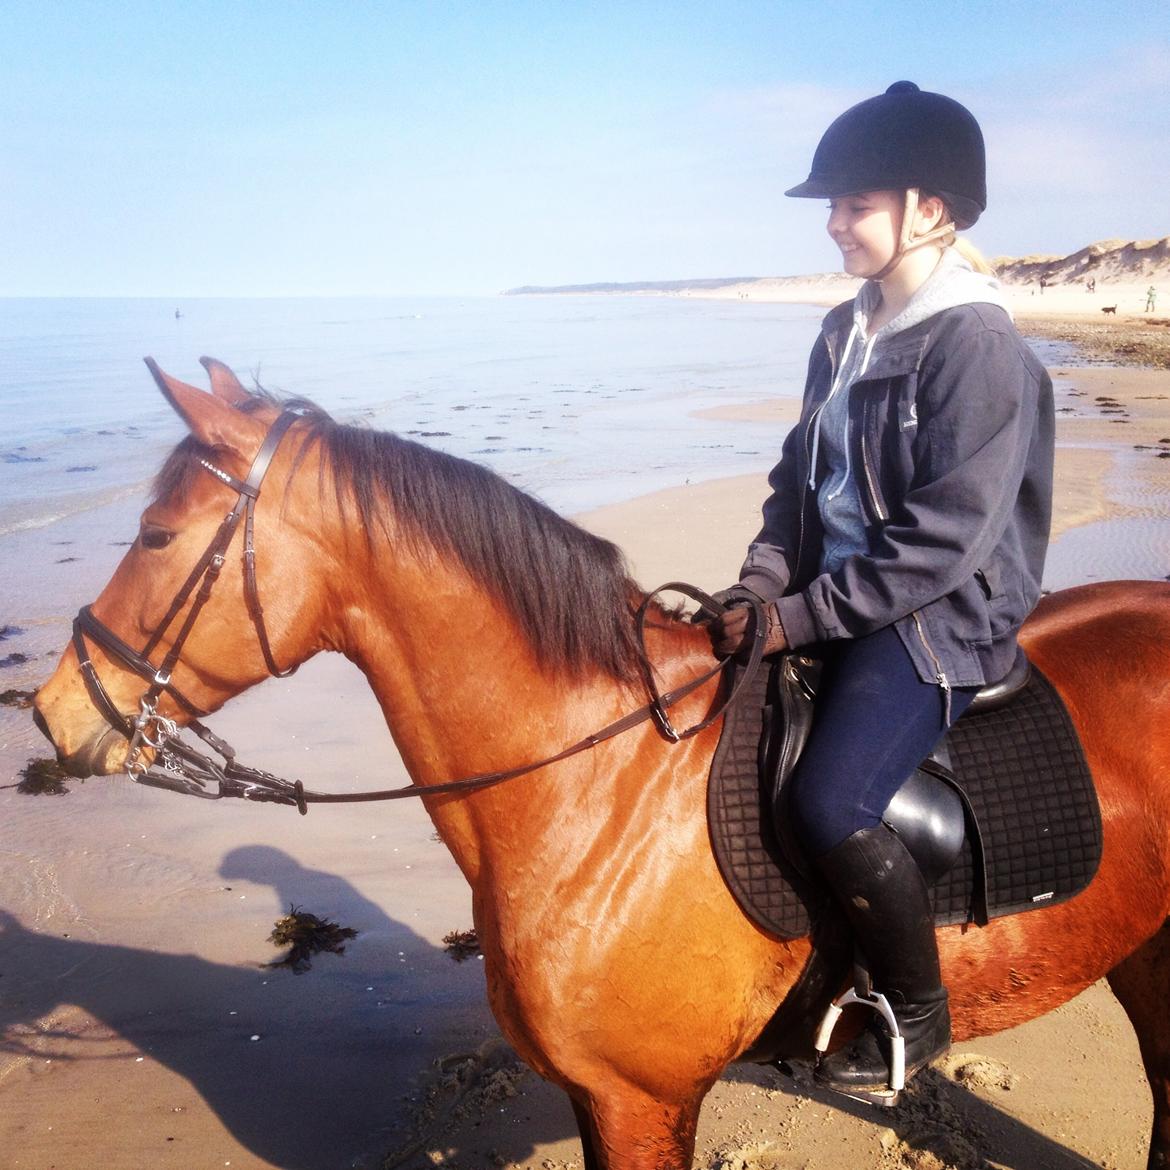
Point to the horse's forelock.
(182, 467)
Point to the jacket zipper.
(812, 418)
(939, 674)
(867, 466)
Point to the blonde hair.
(963, 246)
(972, 255)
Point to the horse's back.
(1133, 617)
(1106, 649)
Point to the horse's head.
(140, 619)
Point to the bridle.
(180, 767)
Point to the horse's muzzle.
(97, 755)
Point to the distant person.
(1090, 286)
(904, 539)
(1043, 285)
(1151, 298)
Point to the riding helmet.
(905, 137)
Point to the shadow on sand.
(318, 1071)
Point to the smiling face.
(866, 227)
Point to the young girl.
(905, 536)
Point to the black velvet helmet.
(905, 137)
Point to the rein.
(179, 767)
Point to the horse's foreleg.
(630, 1130)
(588, 1137)
(1142, 986)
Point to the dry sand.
(141, 1031)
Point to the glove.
(731, 632)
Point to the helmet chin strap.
(944, 231)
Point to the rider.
(905, 535)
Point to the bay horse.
(493, 632)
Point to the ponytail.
(973, 256)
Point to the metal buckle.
(663, 722)
(150, 730)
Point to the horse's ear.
(224, 383)
(213, 421)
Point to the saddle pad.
(1024, 776)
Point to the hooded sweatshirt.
(947, 417)
(953, 282)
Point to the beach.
(142, 1029)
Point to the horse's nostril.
(39, 720)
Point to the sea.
(579, 400)
(135, 921)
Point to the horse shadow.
(308, 1072)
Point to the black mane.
(569, 591)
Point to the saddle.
(1002, 817)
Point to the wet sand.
(140, 1029)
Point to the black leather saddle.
(1002, 817)
(929, 812)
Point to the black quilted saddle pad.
(1027, 784)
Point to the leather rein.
(180, 767)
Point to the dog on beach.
(1109, 309)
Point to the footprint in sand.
(756, 1156)
(977, 1072)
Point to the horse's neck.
(459, 685)
(463, 694)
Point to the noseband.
(181, 768)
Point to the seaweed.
(461, 944)
(22, 700)
(43, 778)
(306, 934)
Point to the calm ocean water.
(580, 400)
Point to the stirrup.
(875, 1001)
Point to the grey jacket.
(951, 441)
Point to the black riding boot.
(882, 891)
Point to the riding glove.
(731, 631)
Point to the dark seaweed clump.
(22, 700)
(43, 778)
(461, 944)
(305, 935)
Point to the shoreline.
(1107, 325)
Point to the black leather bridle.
(149, 728)
(182, 768)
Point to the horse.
(493, 632)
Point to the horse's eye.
(155, 538)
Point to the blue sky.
(296, 148)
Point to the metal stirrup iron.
(875, 1001)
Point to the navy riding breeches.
(875, 720)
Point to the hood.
(954, 282)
